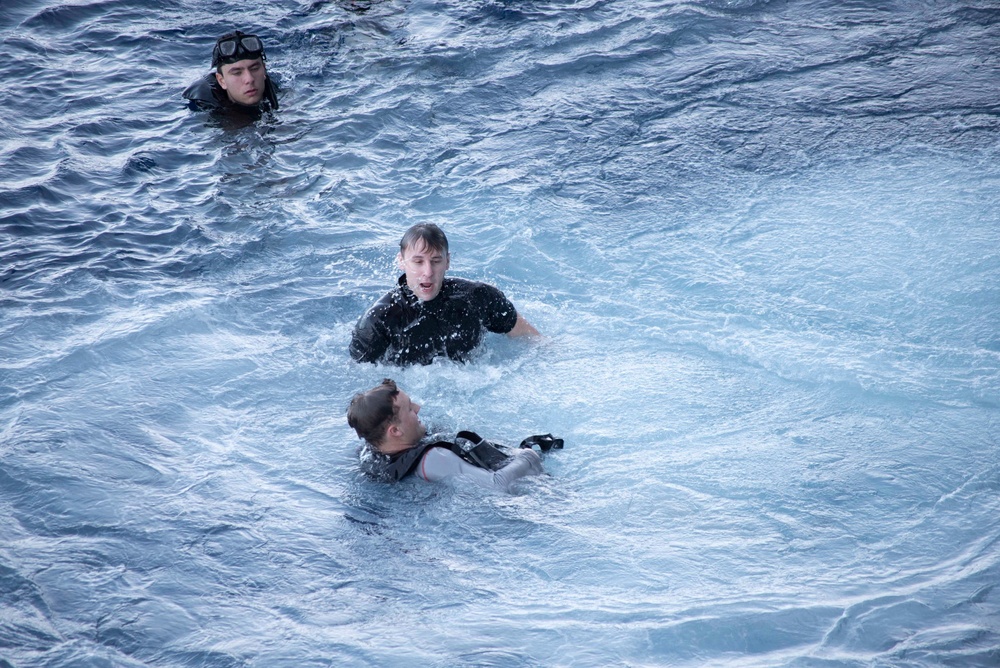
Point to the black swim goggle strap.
(236, 48)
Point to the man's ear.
(222, 82)
(399, 261)
(393, 430)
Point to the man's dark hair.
(432, 236)
(371, 412)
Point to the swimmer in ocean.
(396, 445)
(427, 315)
(240, 82)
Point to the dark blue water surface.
(762, 240)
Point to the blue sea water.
(762, 240)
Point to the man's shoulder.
(203, 93)
(481, 296)
(466, 283)
(390, 308)
(488, 303)
(392, 300)
(464, 288)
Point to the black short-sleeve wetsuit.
(400, 329)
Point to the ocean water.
(762, 242)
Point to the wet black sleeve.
(497, 312)
(369, 341)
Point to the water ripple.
(759, 238)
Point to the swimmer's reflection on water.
(427, 315)
(397, 445)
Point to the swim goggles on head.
(237, 47)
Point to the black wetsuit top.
(206, 94)
(400, 329)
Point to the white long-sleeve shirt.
(440, 464)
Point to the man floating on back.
(397, 445)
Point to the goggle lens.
(250, 44)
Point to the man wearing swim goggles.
(240, 80)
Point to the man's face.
(407, 421)
(243, 81)
(424, 268)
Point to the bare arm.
(522, 328)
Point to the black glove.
(544, 441)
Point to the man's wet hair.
(371, 412)
(432, 236)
